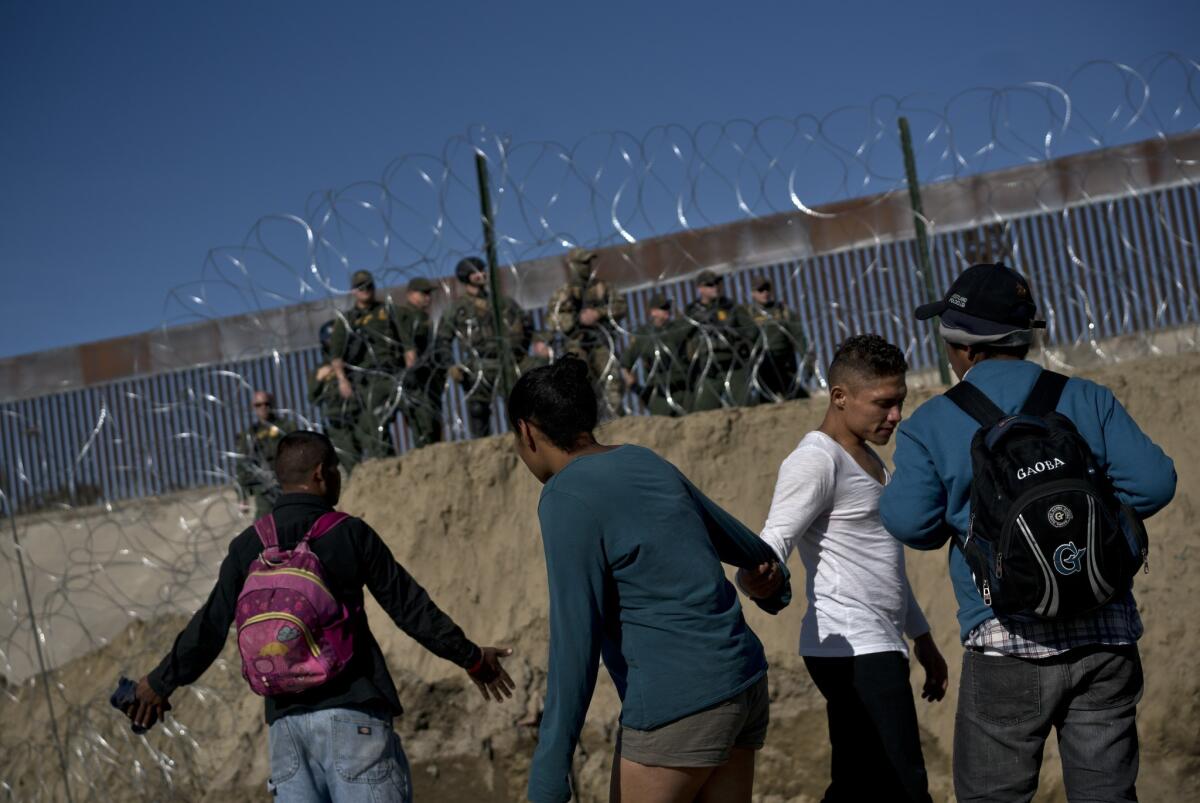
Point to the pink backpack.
(292, 633)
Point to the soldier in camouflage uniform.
(585, 313)
(777, 336)
(256, 456)
(367, 359)
(340, 415)
(424, 377)
(717, 349)
(659, 345)
(468, 321)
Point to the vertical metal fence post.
(489, 241)
(37, 643)
(914, 197)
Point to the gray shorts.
(706, 738)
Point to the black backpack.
(1048, 538)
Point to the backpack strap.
(324, 524)
(1045, 394)
(972, 401)
(265, 527)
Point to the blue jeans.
(338, 755)
(1007, 707)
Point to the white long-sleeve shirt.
(859, 599)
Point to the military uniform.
(367, 339)
(339, 415)
(718, 351)
(468, 321)
(424, 382)
(664, 388)
(256, 462)
(777, 336)
(594, 344)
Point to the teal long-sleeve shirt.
(928, 499)
(633, 556)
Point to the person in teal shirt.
(633, 556)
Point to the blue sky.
(135, 136)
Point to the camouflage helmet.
(467, 266)
(580, 261)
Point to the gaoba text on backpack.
(292, 633)
(1048, 537)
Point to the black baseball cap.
(985, 303)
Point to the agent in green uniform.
(340, 415)
(367, 358)
(424, 378)
(468, 322)
(256, 456)
(585, 314)
(717, 349)
(659, 346)
(777, 336)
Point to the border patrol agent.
(659, 345)
(468, 321)
(585, 313)
(339, 415)
(777, 335)
(256, 456)
(367, 357)
(717, 348)
(424, 376)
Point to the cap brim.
(977, 326)
(927, 311)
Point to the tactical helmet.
(467, 266)
(580, 261)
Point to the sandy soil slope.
(461, 517)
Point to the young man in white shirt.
(860, 605)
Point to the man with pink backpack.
(293, 584)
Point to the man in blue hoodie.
(1020, 678)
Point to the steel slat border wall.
(1138, 270)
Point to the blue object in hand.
(124, 697)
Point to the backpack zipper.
(307, 575)
(264, 617)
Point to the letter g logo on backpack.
(1068, 559)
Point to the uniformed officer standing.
(340, 416)
(468, 321)
(367, 358)
(777, 337)
(424, 378)
(659, 345)
(585, 313)
(717, 350)
(256, 456)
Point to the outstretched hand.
(762, 581)
(489, 676)
(937, 676)
(148, 706)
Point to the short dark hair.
(987, 350)
(868, 357)
(558, 399)
(299, 453)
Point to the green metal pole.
(914, 197)
(489, 241)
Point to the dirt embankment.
(462, 519)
